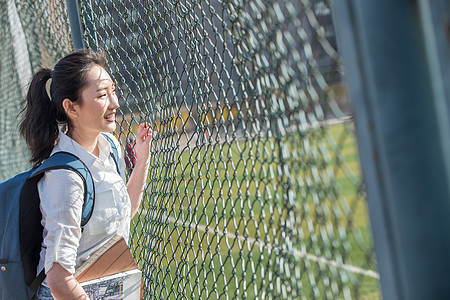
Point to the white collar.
(65, 143)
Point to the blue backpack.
(20, 223)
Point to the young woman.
(70, 116)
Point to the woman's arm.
(63, 285)
(61, 192)
(136, 183)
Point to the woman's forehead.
(98, 77)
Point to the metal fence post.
(76, 31)
(401, 120)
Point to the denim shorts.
(44, 293)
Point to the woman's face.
(99, 102)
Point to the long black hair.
(44, 114)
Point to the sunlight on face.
(99, 102)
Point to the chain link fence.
(34, 33)
(254, 188)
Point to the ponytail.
(39, 126)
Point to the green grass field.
(281, 217)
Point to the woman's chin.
(110, 127)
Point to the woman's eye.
(102, 96)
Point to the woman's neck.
(87, 141)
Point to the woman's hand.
(138, 178)
(63, 285)
(142, 147)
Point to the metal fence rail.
(254, 189)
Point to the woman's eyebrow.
(105, 87)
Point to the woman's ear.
(70, 108)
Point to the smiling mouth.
(110, 116)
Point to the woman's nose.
(113, 101)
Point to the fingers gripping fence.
(254, 187)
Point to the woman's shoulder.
(62, 179)
(112, 138)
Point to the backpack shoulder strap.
(30, 231)
(114, 154)
(34, 286)
(66, 160)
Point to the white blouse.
(61, 193)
